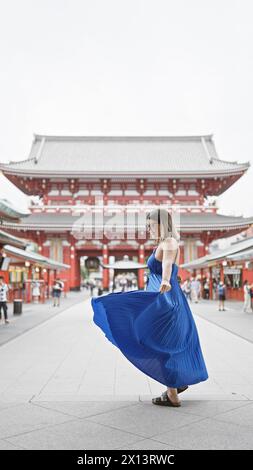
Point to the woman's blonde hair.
(166, 226)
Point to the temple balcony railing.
(67, 209)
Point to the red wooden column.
(221, 272)
(210, 283)
(201, 281)
(141, 271)
(74, 271)
(48, 280)
(28, 286)
(105, 270)
(66, 259)
(74, 261)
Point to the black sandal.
(182, 389)
(164, 400)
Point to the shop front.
(30, 275)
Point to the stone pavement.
(232, 319)
(35, 314)
(63, 385)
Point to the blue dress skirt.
(155, 332)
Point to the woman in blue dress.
(155, 328)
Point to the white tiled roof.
(10, 211)
(35, 257)
(240, 248)
(188, 222)
(189, 155)
(9, 238)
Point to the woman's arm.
(169, 246)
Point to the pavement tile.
(75, 435)
(212, 408)
(26, 417)
(242, 416)
(208, 434)
(145, 419)
(84, 409)
(148, 444)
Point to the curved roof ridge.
(123, 137)
(234, 162)
(16, 162)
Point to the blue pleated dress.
(155, 332)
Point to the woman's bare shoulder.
(169, 243)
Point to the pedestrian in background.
(247, 296)
(57, 290)
(187, 288)
(195, 290)
(3, 299)
(222, 295)
(206, 289)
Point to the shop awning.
(10, 212)
(246, 255)
(34, 258)
(124, 265)
(228, 253)
(8, 238)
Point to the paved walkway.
(232, 319)
(35, 314)
(64, 386)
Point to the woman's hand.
(165, 286)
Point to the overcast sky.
(128, 67)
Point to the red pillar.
(211, 282)
(141, 271)
(66, 259)
(28, 285)
(48, 283)
(221, 272)
(74, 261)
(105, 270)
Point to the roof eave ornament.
(210, 158)
(37, 157)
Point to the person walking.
(195, 290)
(92, 286)
(251, 296)
(247, 296)
(206, 289)
(222, 295)
(57, 290)
(3, 299)
(187, 288)
(155, 328)
(36, 291)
